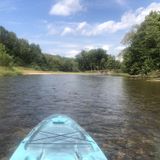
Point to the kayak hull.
(58, 137)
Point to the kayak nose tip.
(60, 119)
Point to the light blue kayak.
(58, 138)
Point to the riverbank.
(153, 76)
(115, 73)
(30, 71)
(14, 71)
(154, 80)
(9, 71)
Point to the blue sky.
(65, 27)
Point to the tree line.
(19, 52)
(96, 59)
(141, 56)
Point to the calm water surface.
(122, 115)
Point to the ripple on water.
(122, 115)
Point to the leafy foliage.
(22, 53)
(5, 59)
(58, 63)
(96, 59)
(143, 52)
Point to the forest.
(140, 57)
(19, 52)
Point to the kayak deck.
(58, 138)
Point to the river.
(122, 115)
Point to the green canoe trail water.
(122, 115)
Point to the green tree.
(112, 64)
(143, 52)
(23, 53)
(5, 59)
(58, 63)
(92, 60)
(96, 59)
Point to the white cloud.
(72, 53)
(120, 48)
(142, 12)
(76, 49)
(66, 7)
(66, 48)
(81, 26)
(103, 27)
(67, 30)
(128, 19)
(96, 46)
(51, 29)
(106, 47)
(102, 30)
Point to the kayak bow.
(58, 137)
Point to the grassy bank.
(13, 71)
(152, 76)
(9, 71)
(30, 71)
(116, 73)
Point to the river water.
(122, 115)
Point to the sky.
(66, 27)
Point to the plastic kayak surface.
(58, 138)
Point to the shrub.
(5, 59)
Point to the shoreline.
(154, 80)
(15, 71)
(37, 72)
(57, 73)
